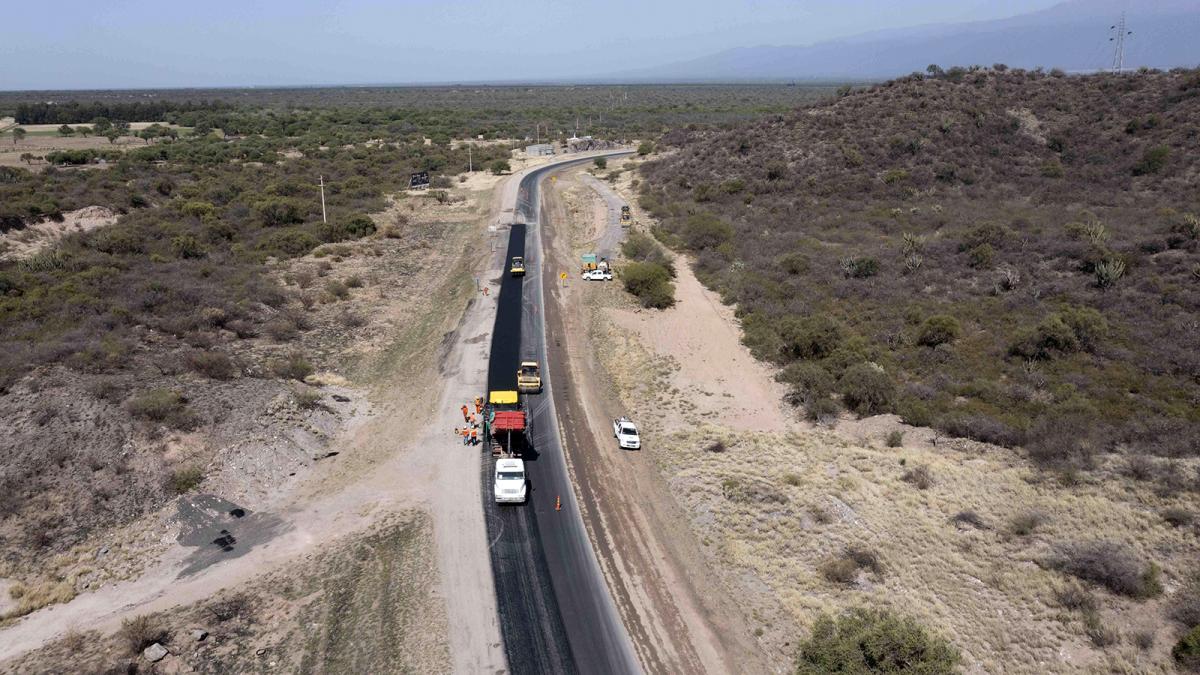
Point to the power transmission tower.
(1120, 31)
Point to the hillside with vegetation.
(1008, 256)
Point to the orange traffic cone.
(558, 503)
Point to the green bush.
(288, 243)
(938, 330)
(293, 367)
(641, 247)
(500, 166)
(1153, 160)
(650, 282)
(163, 406)
(600, 162)
(808, 379)
(812, 337)
(1070, 330)
(867, 390)
(981, 255)
(1186, 652)
(278, 211)
(705, 231)
(187, 246)
(874, 641)
(1109, 564)
(185, 479)
(645, 148)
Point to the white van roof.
(508, 464)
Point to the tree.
(18, 135)
(645, 148)
(500, 166)
(27, 158)
(66, 130)
(101, 124)
(112, 135)
(84, 131)
(600, 163)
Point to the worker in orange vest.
(466, 434)
(473, 419)
(475, 436)
(478, 404)
(465, 411)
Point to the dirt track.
(677, 613)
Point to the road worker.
(478, 404)
(473, 419)
(465, 412)
(475, 436)
(466, 434)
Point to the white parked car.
(598, 275)
(626, 433)
(510, 487)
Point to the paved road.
(556, 614)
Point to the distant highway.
(556, 615)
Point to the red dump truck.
(504, 424)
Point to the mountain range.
(1075, 36)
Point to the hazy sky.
(75, 44)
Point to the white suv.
(510, 487)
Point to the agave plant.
(1109, 272)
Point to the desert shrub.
(164, 407)
(1153, 160)
(1143, 640)
(277, 211)
(185, 479)
(216, 365)
(645, 148)
(1052, 336)
(937, 330)
(895, 439)
(187, 246)
(807, 379)
(1185, 604)
(970, 518)
(1177, 517)
(867, 389)
(1026, 522)
(600, 163)
(981, 256)
(293, 366)
(236, 606)
(844, 568)
(822, 410)
(1109, 564)
(356, 227)
(141, 631)
(874, 641)
(306, 398)
(650, 282)
(1186, 652)
(716, 447)
(288, 243)
(859, 268)
(919, 477)
(981, 428)
(704, 231)
(812, 337)
(281, 329)
(337, 289)
(641, 247)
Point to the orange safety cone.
(558, 503)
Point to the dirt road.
(678, 614)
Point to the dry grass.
(32, 598)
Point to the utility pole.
(323, 219)
(470, 161)
(1120, 31)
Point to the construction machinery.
(504, 424)
(517, 267)
(592, 262)
(626, 215)
(529, 378)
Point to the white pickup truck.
(510, 486)
(626, 433)
(598, 275)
